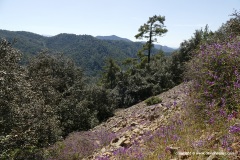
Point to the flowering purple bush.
(215, 72)
(80, 144)
(235, 129)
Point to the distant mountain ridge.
(157, 46)
(87, 51)
(164, 48)
(113, 37)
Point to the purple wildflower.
(235, 129)
(174, 103)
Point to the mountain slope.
(87, 51)
(132, 124)
(164, 48)
(113, 37)
(159, 131)
(127, 129)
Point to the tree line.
(50, 97)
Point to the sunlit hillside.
(144, 106)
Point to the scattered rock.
(108, 154)
(173, 150)
(97, 142)
(126, 143)
(130, 124)
(122, 142)
(153, 116)
(236, 146)
(116, 129)
(124, 124)
(212, 157)
(134, 124)
(103, 150)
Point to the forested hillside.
(113, 37)
(48, 108)
(198, 119)
(87, 51)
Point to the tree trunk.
(150, 43)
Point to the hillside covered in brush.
(144, 107)
(87, 51)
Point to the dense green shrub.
(109, 77)
(100, 101)
(26, 123)
(153, 100)
(229, 29)
(137, 79)
(62, 84)
(186, 51)
(43, 102)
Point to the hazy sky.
(114, 17)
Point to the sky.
(115, 17)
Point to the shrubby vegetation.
(22, 118)
(210, 119)
(211, 62)
(86, 51)
(186, 51)
(215, 72)
(153, 100)
(44, 101)
(138, 79)
(212, 112)
(79, 145)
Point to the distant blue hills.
(114, 37)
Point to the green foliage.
(100, 101)
(153, 100)
(62, 85)
(153, 27)
(215, 71)
(26, 123)
(20, 110)
(43, 102)
(109, 74)
(228, 29)
(186, 52)
(141, 80)
(88, 52)
(49, 98)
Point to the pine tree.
(153, 27)
(109, 74)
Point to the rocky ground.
(131, 123)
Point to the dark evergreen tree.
(61, 84)
(186, 52)
(109, 74)
(26, 123)
(153, 27)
